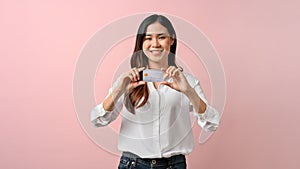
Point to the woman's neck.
(157, 66)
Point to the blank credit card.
(151, 75)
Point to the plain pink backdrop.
(258, 44)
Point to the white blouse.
(162, 127)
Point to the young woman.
(156, 127)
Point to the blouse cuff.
(100, 117)
(209, 120)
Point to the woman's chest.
(164, 96)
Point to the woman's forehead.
(156, 29)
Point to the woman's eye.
(162, 37)
(147, 38)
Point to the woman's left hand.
(179, 81)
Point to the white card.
(152, 75)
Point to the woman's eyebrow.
(149, 34)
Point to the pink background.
(258, 44)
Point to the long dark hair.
(138, 96)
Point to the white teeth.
(156, 50)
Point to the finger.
(138, 70)
(130, 76)
(141, 69)
(165, 74)
(136, 74)
(176, 71)
(170, 70)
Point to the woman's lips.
(156, 52)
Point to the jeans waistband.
(130, 155)
(155, 161)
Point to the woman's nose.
(155, 43)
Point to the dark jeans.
(134, 162)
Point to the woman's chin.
(156, 59)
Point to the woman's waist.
(178, 158)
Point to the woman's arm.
(129, 80)
(109, 102)
(100, 114)
(109, 109)
(198, 104)
(208, 117)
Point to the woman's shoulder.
(193, 81)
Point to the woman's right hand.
(131, 79)
(128, 80)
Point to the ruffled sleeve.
(99, 117)
(209, 120)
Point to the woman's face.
(157, 43)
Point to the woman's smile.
(156, 52)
